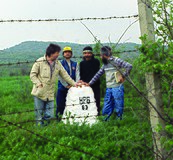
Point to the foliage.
(157, 57)
(163, 17)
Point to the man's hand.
(69, 86)
(40, 86)
(83, 83)
(122, 79)
(80, 81)
(86, 84)
(78, 84)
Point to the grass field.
(126, 139)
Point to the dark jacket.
(88, 69)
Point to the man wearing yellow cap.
(73, 70)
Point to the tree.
(157, 58)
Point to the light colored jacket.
(41, 74)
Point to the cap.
(67, 49)
(88, 49)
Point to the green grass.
(126, 139)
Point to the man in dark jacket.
(88, 68)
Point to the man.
(88, 68)
(114, 97)
(73, 70)
(43, 75)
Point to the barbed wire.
(68, 19)
(32, 110)
(67, 118)
(130, 80)
(49, 140)
(35, 61)
(74, 57)
(132, 97)
(26, 111)
(112, 99)
(12, 113)
(75, 149)
(145, 93)
(63, 118)
(75, 117)
(34, 121)
(52, 119)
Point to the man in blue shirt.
(73, 70)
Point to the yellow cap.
(67, 49)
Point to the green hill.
(31, 50)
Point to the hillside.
(31, 50)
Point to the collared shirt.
(52, 67)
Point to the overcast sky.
(15, 33)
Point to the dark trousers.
(97, 98)
(60, 101)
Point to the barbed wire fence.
(17, 124)
(47, 139)
(55, 119)
(74, 57)
(67, 20)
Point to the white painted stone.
(80, 106)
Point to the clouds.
(14, 33)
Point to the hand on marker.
(69, 86)
(78, 84)
(86, 84)
(83, 83)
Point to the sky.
(106, 31)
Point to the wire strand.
(66, 19)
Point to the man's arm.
(123, 64)
(63, 82)
(97, 76)
(34, 74)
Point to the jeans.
(44, 110)
(114, 101)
